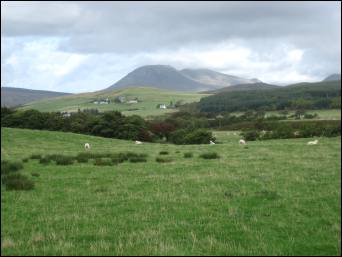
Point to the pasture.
(149, 97)
(273, 197)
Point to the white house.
(132, 101)
(162, 106)
(66, 114)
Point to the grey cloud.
(137, 26)
(135, 33)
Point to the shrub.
(162, 160)
(251, 135)
(188, 155)
(210, 155)
(17, 182)
(163, 152)
(191, 136)
(64, 160)
(52, 157)
(8, 167)
(82, 159)
(44, 160)
(103, 162)
(35, 156)
(35, 174)
(25, 160)
(137, 159)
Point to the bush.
(25, 160)
(251, 135)
(137, 159)
(191, 136)
(44, 160)
(162, 160)
(17, 182)
(163, 152)
(64, 160)
(35, 156)
(188, 155)
(103, 162)
(210, 156)
(7, 167)
(35, 174)
(82, 159)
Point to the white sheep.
(138, 142)
(315, 142)
(242, 142)
(211, 142)
(86, 146)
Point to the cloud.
(79, 46)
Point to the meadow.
(149, 97)
(273, 197)
(328, 114)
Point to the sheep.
(242, 142)
(138, 142)
(211, 142)
(315, 142)
(86, 146)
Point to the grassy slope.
(278, 197)
(330, 114)
(150, 97)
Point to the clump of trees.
(111, 124)
(108, 124)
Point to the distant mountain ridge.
(12, 97)
(215, 79)
(333, 77)
(243, 87)
(167, 77)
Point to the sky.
(87, 46)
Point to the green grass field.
(150, 98)
(330, 114)
(276, 197)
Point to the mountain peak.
(167, 77)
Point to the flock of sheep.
(241, 142)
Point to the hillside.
(190, 206)
(167, 77)
(148, 99)
(333, 77)
(11, 96)
(320, 95)
(243, 87)
(215, 79)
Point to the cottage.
(132, 102)
(66, 114)
(161, 106)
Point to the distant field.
(322, 114)
(150, 98)
(276, 197)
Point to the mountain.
(215, 79)
(333, 77)
(167, 77)
(243, 87)
(11, 96)
(159, 76)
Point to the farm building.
(132, 101)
